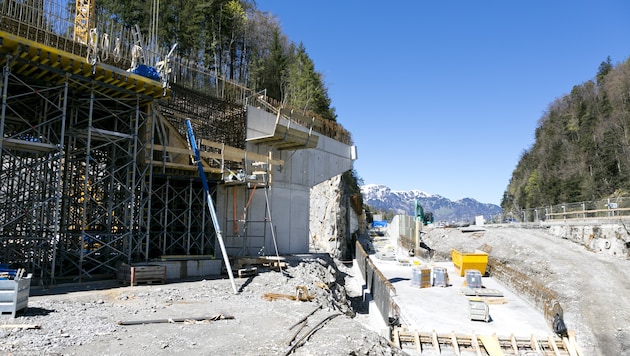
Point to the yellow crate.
(472, 260)
(425, 278)
(421, 277)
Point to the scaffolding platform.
(49, 64)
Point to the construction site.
(116, 156)
(97, 167)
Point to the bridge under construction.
(95, 167)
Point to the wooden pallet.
(142, 274)
(247, 272)
(270, 262)
(147, 282)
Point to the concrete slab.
(446, 309)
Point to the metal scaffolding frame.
(78, 143)
(32, 125)
(247, 229)
(70, 181)
(95, 169)
(178, 229)
(78, 193)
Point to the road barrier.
(379, 286)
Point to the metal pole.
(58, 183)
(273, 233)
(213, 213)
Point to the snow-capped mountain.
(383, 198)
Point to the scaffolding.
(248, 229)
(70, 181)
(95, 169)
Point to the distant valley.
(383, 198)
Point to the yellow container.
(472, 260)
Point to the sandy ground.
(593, 288)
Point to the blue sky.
(444, 96)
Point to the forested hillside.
(582, 145)
(232, 38)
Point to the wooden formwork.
(432, 342)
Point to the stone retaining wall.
(611, 238)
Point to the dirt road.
(593, 289)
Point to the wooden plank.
(396, 338)
(552, 343)
(228, 155)
(23, 145)
(436, 344)
(180, 166)
(514, 344)
(455, 344)
(237, 152)
(534, 344)
(20, 326)
(573, 342)
(475, 344)
(567, 346)
(416, 336)
(495, 300)
(247, 272)
(492, 345)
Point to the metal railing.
(605, 209)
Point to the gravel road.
(592, 288)
(76, 321)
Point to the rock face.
(334, 224)
(607, 238)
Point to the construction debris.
(310, 332)
(20, 326)
(247, 272)
(301, 294)
(177, 320)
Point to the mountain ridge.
(383, 198)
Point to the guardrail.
(380, 287)
(605, 209)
